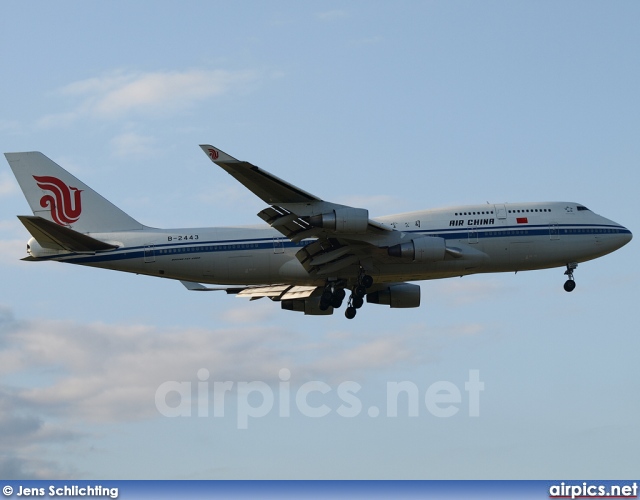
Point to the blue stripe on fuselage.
(482, 232)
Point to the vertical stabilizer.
(56, 195)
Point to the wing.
(343, 236)
(266, 186)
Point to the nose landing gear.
(570, 284)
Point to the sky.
(391, 106)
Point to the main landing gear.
(332, 296)
(356, 300)
(570, 284)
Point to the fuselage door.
(501, 211)
(149, 254)
(554, 232)
(278, 245)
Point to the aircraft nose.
(625, 236)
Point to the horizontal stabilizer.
(53, 236)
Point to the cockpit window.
(580, 208)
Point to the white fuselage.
(491, 238)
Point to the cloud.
(13, 226)
(154, 93)
(384, 352)
(22, 429)
(8, 185)
(78, 375)
(16, 467)
(132, 144)
(259, 312)
(13, 250)
(9, 126)
(24, 439)
(106, 372)
(109, 373)
(14, 245)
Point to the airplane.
(311, 252)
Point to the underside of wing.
(305, 299)
(253, 292)
(278, 292)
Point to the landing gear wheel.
(569, 285)
(324, 305)
(366, 280)
(358, 292)
(336, 302)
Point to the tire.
(367, 281)
(350, 312)
(569, 285)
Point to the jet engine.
(343, 220)
(397, 295)
(310, 306)
(423, 249)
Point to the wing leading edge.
(343, 235)
(264, 185)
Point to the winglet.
(217, 155)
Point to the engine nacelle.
(310, 306)
(424, 249)
(398, 295)
(37, 251)
(343, 220)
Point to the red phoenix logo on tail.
(64, 210)
(213, 154)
